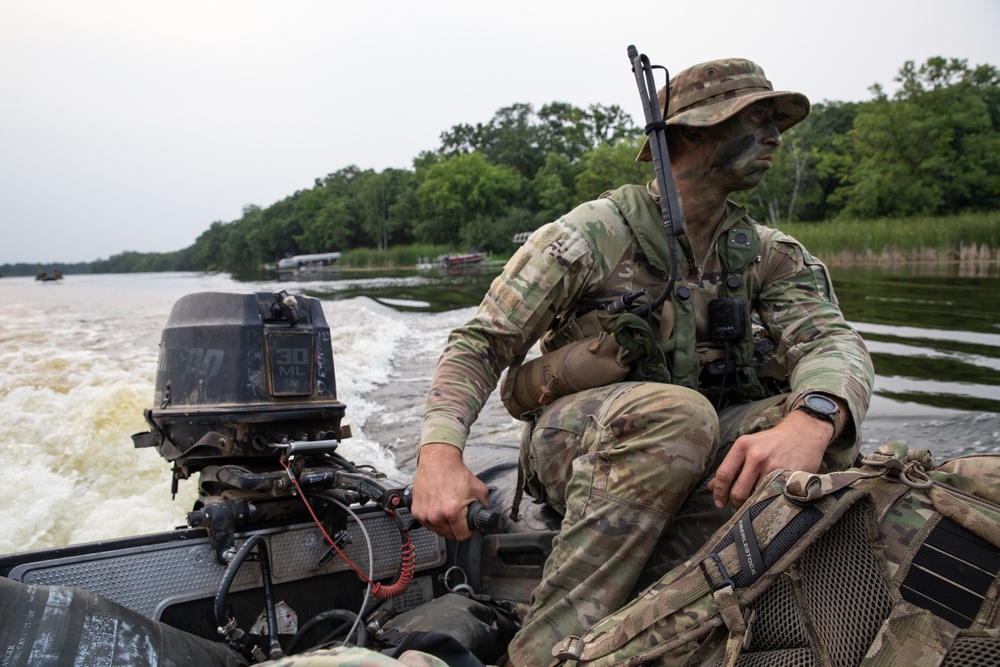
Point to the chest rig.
(672, 356)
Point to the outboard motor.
(238, 374)
(245, 396)
(243, 381)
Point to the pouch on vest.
(585, 364)
(676, 361)
(892, 563)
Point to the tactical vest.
(675, 360)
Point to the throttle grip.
(478, 516)
(481, 517)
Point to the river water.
(78, 360)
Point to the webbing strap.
(961, 553)
(732, 616)
(515, 505)
(749, 81)
(708, 573)
(805, 487)
(685, 362)
(507, 391)
(686, 590)
(751, 561)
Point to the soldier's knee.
(696, 409)
(679, 410)
(666, 436)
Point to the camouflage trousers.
(627, 467)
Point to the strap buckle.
(726, 581)
(570, 648)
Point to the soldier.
(644, 468)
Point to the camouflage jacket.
(590, 257)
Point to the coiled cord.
(407, 566)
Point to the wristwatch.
(820, 407)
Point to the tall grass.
(970, 236)
(973, 236)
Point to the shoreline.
(982, 260)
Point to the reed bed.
(972, 237)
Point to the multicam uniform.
(626, 464)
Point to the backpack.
(892, 563)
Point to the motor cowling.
(239, 374)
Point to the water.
(77, 366)
(934, 336)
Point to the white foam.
(77, 367)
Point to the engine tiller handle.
(480, 517)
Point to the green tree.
(235, 249)
(805, 168)
(545, 148)
(377, 194)
(274, 232)
(610, 165)
(329, 229)
(933, 149)
(609, 125)
(822, 135)
(330, 219)
(518, 137)
(458, 190)
(554, 189)
(562, 130)
(495, 233)
(512, 138)
(206, 253)
(570, 132)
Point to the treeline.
(484, 183)
(31, 269)
(931, 149)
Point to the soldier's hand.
(796, 443)
(442, 490)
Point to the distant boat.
(306, 263)
(48, 277)
(463, 259)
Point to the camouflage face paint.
(741, 147)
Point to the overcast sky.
(133, 125)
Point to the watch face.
(821, 404)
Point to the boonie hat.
(711, 92)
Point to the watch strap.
(816, 414)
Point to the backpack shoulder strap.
(712, 588)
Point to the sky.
(132, 125)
